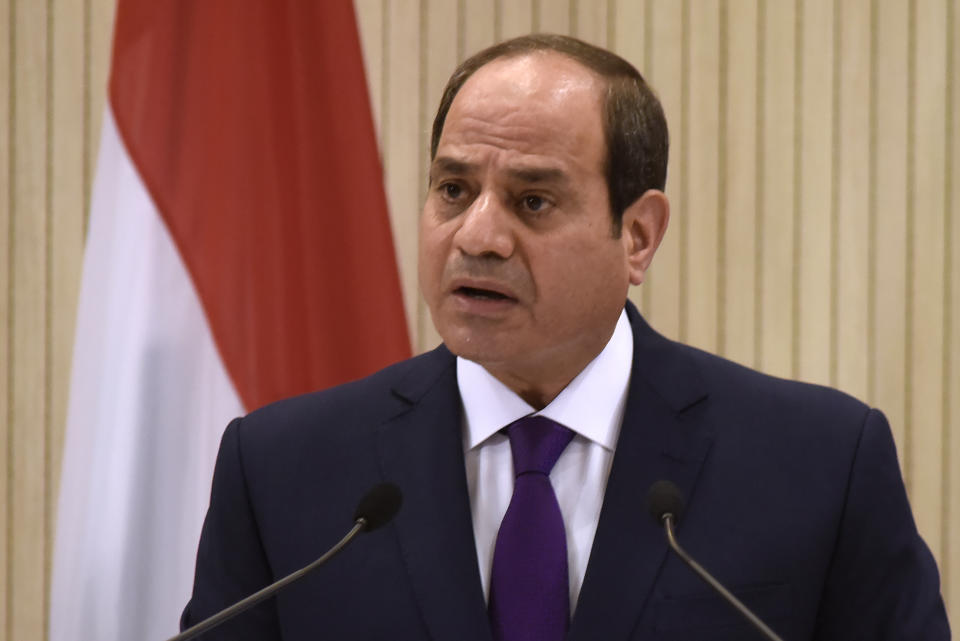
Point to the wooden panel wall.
(53, 65)
(814, 178)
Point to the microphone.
(376, 508)
(665, 502)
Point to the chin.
(471, 350)
(468, 344)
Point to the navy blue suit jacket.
(794, 501)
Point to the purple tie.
(529, 593)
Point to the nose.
(486, 228)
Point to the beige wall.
(815, 181)
(53, 63)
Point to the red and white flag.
(239, 251)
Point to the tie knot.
(536, 443)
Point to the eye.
(451, 191)
(534, 203)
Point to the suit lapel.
(663, 437)
(421, 450)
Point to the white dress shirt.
(591, 405)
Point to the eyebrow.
(447, 165)
(538, 174)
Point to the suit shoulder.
(342, 409)
(736, 388)
(725, 373)
(683, 375)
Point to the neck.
(539, 381)
(538, 397)
(540, 386)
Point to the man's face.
(518, 262)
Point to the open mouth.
(481, 294)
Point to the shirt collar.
(591, 404)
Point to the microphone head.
(663, 498)
(378, 506)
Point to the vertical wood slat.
(852, 205)
(926, 403)
(815, 187)
(683, 165)
(776, 175)
(951, 563)
(370, 26)
(402, 140)
(740, 161)
(6, 311)
(910, 264)
(590, 17)
(889, 135)
(700, 255)
(28, 324)
(553, 16)
(663, 67)
(628, 35)
(515, 19)
(67, 225)
(439, 65)
(423, 152)
(100, 41)
(646, 294)
(479, 22)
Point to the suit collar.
(419, 375)
(664, 366)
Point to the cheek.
(432, 253)
(584, 275)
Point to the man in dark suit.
(545, 204)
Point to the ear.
(644, 223)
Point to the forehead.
(542, 103)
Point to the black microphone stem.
(260, 595)
(706, 576)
